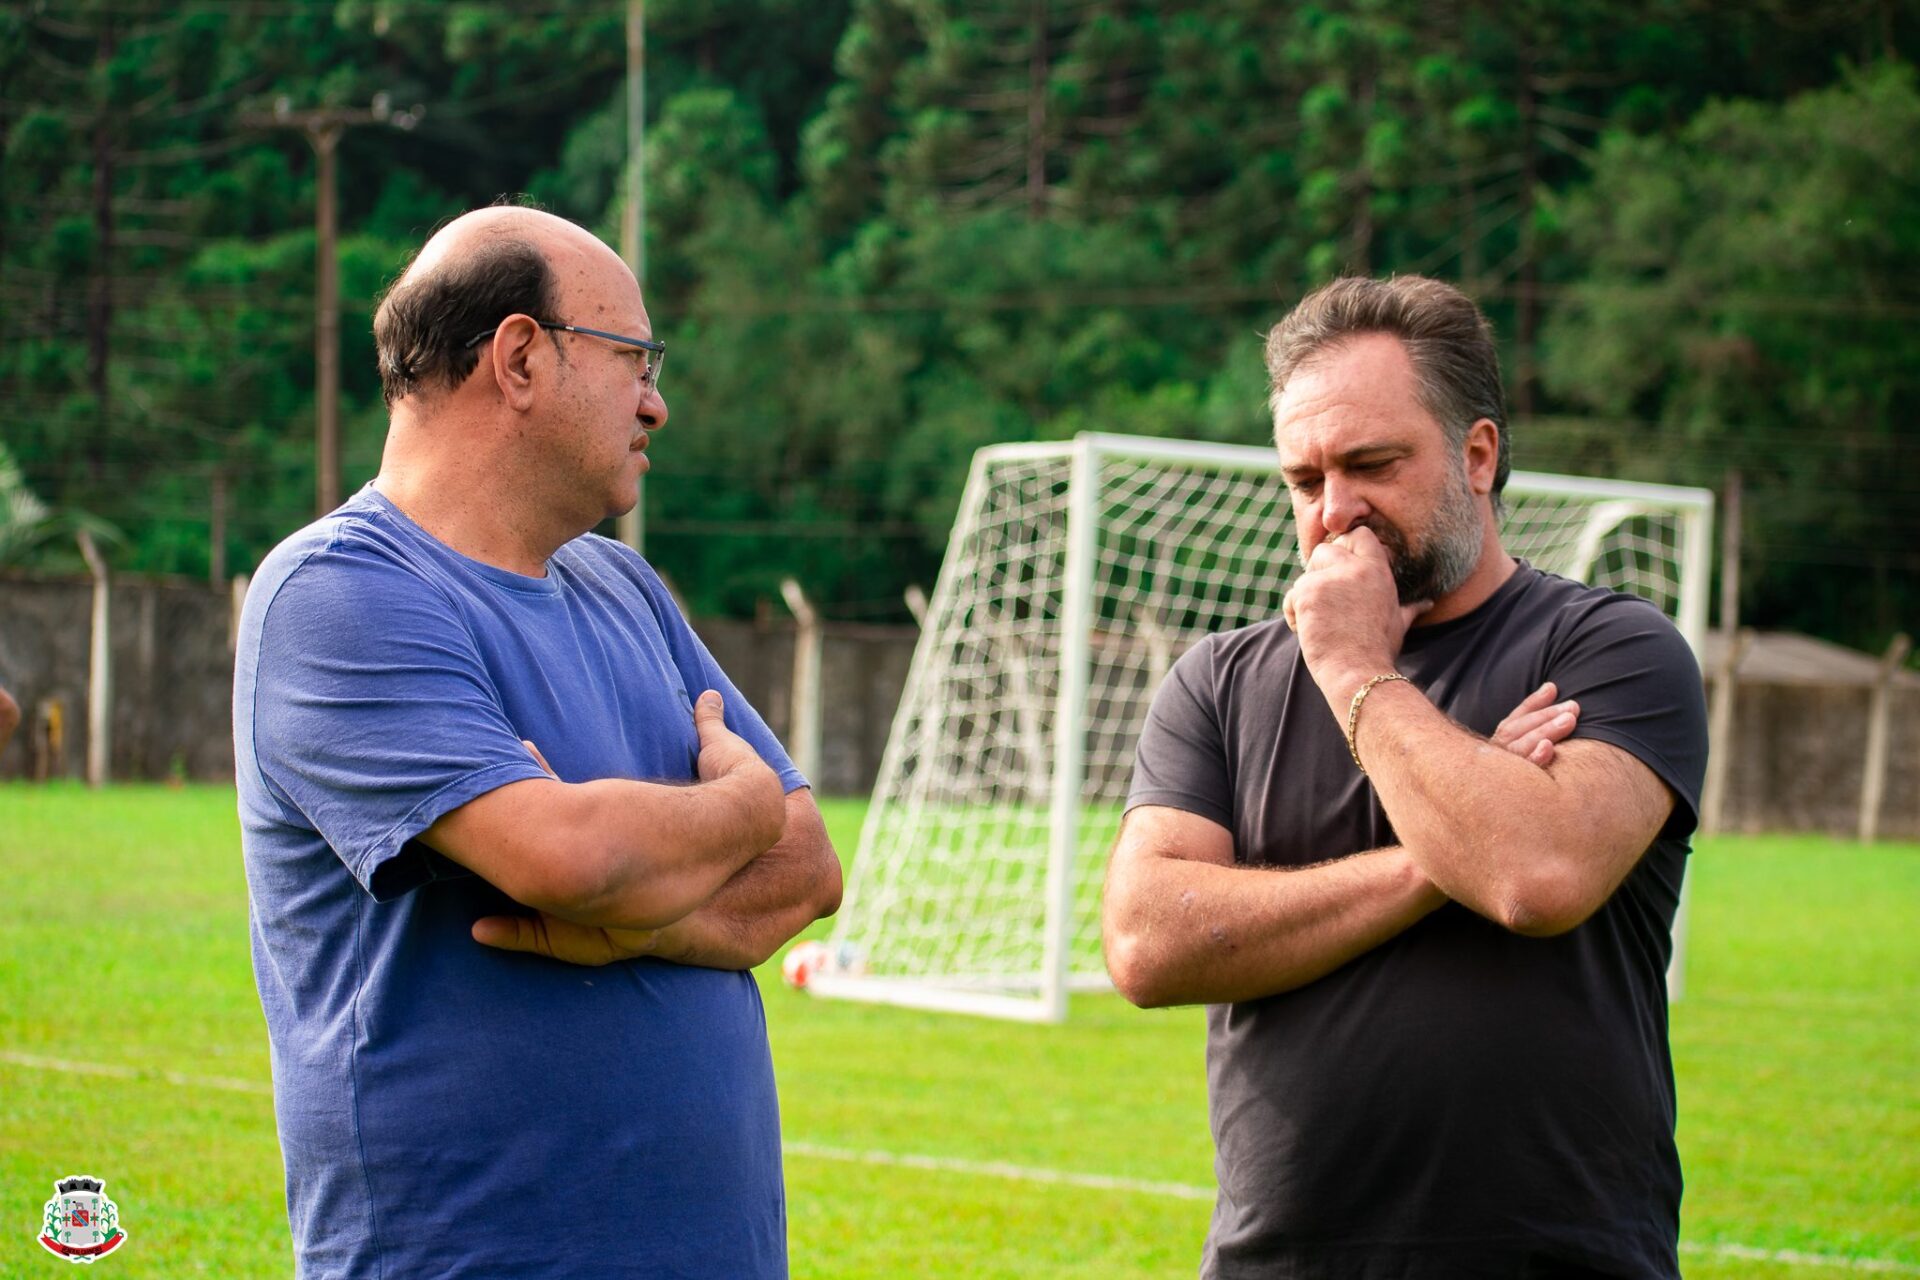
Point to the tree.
(1749, 301)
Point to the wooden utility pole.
(632, 527)
(1526, 328)
(100, 283)
(1730, 552)
(217, 534)
(323, 127)
(323, 133)
(100, 286)
(1037, 71)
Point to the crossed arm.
(1534, 850)
(717, 874)
(1184, 924)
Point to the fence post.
(805, 718)
(99, 668)
(1873, 784)
(236, 601)
(1713, 796)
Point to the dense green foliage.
(881, 233)
(1795, 1052)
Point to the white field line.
(1189, 1191)
(229, 1084)
(1000, 1169)
(945, 1164)
(1795, 1258)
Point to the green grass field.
(132, 1048)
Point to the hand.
(549, 935)
(1347, 613)
(1532, 728)
(557, 939)
(722, 751)
(724, 754)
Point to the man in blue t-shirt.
(480, 750)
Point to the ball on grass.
(804, 961)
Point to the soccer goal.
(1076, 574)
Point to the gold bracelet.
(1353, 714)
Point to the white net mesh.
(948, 901)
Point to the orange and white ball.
(804, 961)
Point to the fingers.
(1533, 736)
(1535, 711)
(539, 759)
(1360, 541)
(1522, 741)
(1555, 722)
(1535, 701)
(1532, 728)
(709, 715)
(556, 939)
(512, 933)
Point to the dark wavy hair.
(1446, 336)
(424, 322)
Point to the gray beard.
(1447, 556)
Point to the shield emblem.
(81, 1223)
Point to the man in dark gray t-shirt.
(1419, 845)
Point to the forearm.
(1190, 932)
(660, 851)
(764, 903)
(1503, 837)
(9, 717)
(614, 852)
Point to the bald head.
(477, 270)
(472, 233)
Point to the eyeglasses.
(654, 354)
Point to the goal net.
(1076, 574)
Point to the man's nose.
(653, 410)
(1342, 506)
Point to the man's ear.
(1482, 455)
(511, 357)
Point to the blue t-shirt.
(446, 1108)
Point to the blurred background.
(878, 234)
(881, 233)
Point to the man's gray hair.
(1445, 334)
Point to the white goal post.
(1076, 573)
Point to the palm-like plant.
(28, 523)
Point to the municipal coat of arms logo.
(82, 1225)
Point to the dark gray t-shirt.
(1461, 1100)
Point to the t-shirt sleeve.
(1639, 689)
(1181, 760)
(373, 715)
(699, 672)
